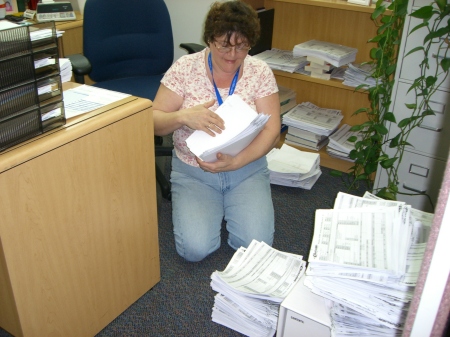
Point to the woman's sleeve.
(174, 78)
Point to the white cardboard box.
(304, 314)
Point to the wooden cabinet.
(78, 229)
(423, 164)
(335, 21)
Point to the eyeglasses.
(239, 48)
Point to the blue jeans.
(201, 200)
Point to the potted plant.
(369, 153)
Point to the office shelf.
(335, 21)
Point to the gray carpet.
(180, 304)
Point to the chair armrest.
(80, 67)
(192, 47)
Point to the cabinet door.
(410, 69)
(417, 174)
(431, 138)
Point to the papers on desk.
(86, 98)
(291, 167)
(252, 286)
(365, 256)
(242, 125)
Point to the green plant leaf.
(352, 139)
(394, 141)
(404, 122)
(428, 112)
(356, 128)
(441, 4)
(370, 168)
(389, 116)
(414, 50)
(381, 129)
(430, 81)
(445, 64)
(421, 25)
(425, 12)
(378, 10)
(388, 162)
(411, 106)
(383, 193)
(336, 173)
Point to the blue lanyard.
(233, 82)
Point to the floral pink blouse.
(188, 78)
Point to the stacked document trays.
(365, 257)
(30, 86)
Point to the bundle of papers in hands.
(242, 125)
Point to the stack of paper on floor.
(339, 146)
(310, 125)
(242, 125)
(289, 166)
(283, 60)
(335, 54)
(365, 256)
(319, 68)
(252, 286)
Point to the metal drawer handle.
(430, 128)
(414, 190)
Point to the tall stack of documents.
(335, 54)
(339, 146)
(241, 129)
(310, 125)
(365, 256)
(252, 286)
(359, 74)
(284, 60)
(289, 166)
(65, 67)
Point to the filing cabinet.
(423, 164)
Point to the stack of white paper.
(291, 167)
(252, 286)
(282, 60)
(288, 99)
(357, 74)
(365, 257)
(242, 125)
(65, 68)
(339, 146)
(310, 125)
(335, 54)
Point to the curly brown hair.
(227, 18)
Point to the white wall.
(187, 22)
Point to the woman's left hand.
(224, 163)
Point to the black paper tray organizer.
(31, 100)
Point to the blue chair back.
(128, 44)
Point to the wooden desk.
(78, 228)
(71, 41)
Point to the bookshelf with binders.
(335, 21)
(31, 100)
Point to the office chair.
(127, 47)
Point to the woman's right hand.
(200, 117)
